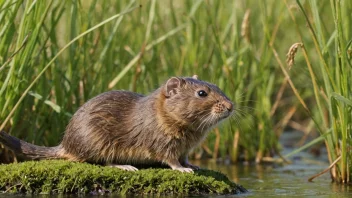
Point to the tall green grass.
(55, 58)
(55, 55)
(329, 63)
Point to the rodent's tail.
(27, 150)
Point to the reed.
(328, 59)
(55, 55)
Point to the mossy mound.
(63, 177)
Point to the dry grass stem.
(280, 126)
(326, 170)
(278, 97)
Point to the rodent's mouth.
(228, 113)
(212, 119)
(225, 114)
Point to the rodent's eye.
(202, 93)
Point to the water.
(282, 181)
(290, 180)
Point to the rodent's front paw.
(124, 167)
(184, 170)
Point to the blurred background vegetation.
(48, 68)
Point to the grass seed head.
(245, 29)
(292, 53)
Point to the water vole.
(119, 128)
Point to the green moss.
(58, 177)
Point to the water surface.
(290, 180)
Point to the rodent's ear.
(172, 85)
(195, 77)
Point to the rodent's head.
(198, 104)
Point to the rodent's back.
(98, 125)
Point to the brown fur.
(121, 127)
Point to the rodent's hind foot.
(183, 169)
(124, 167)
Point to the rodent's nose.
(228, 105)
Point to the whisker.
(237, 122)
(243, 112)
(237, 118)
(245, 101)
(245, 108)
(207, 120)
(210, 121)
(203, 120)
